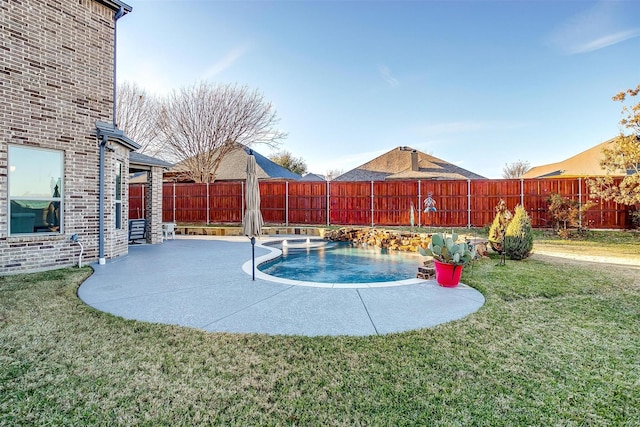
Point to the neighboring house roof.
(586, 163)
(138, 160)
(406, 163)
(234, 167)
(313, 177)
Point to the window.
(118, 195)
(35, 190)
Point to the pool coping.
(275, 253)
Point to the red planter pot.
(448, 275)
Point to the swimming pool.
(340, 262)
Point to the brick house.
(59, 147)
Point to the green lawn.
(555, 344)
(622, 244)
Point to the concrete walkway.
(200, 283)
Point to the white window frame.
(118, 196)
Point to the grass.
(622, 244)
(555, 344)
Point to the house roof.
(313, 177)
(116, 5)
(406, 163)
(586, 163)
(142, 161)
(234, 166)
(114, 134)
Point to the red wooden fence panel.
(538, 191)
(609, 215)
(273, 201)
(168, 202)
(451, 203)
(307, 202)
(226, 202)
(392, 202)
(458, 202)
(137, 201)
(485, 196)
(350, 203)
(191, 203)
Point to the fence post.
(286, 203)
(174, 201)
(372, 211)
(419, 205)
(242, 201)
(207, 188)
(143, 192)
(580, 202)
(328, 203)
(522, 192)
(468, 203)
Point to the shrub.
(567, 214)
(499, 226)
(635, 218)
(518, 240)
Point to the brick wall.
(153, 205)
(116, 240)
(56, 70)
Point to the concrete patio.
(200, 282)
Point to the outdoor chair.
(168, 229)
(137, 230)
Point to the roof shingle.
(400, 163)
(586, 163)
(234, 165)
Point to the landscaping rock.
(384, 239)
(428, 272)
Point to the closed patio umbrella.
(252, 221)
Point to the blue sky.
(476, 83)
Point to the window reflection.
(35, 190)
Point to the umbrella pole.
(253, 258)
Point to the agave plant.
(444, 248)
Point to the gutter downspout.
(101, 259)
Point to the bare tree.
(137, 113)
(285, 159)
(331, 174)
(201, 124)
(515, 169)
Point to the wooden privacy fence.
(458, 203)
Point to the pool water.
(341, 263)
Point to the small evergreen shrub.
(518, 240)
(499, 226)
